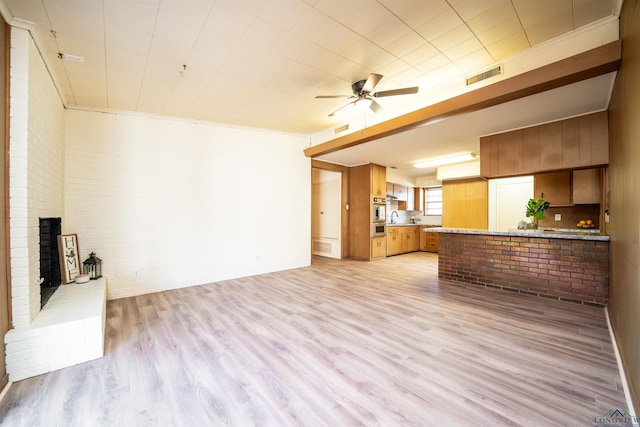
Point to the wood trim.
(595, 62)
(4, 380)
(344, 219)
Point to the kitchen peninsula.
(560, 264)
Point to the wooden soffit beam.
(592, 63)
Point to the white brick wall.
(69, 330)
(36, 173)
(165, 203)
(169, 203)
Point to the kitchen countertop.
(408, 224)
(560, 233)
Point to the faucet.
(392, 220)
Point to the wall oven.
(378, 216)
(378, 209)
(378, 229)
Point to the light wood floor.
(340, 343)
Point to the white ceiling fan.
(363, 94)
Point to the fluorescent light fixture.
(68, 57)
(445, 160)
(363, 103)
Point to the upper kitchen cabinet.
(587, 186)
(414, 199)
(568, 188)
(551, 146)
(554, 187)
(397, 191)
(378, 180)
(574, 143)
(411, 199)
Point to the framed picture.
(70, 265)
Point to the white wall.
(169, 204)
(508, 199)
(36, 172)
(400, 179)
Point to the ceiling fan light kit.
(363, 103)
(459, 158)
(363, 94)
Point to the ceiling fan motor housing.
(357, 87)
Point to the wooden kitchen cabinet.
(414, 199)
(364, 181)
(587, 186)
(403, 239)
(573, 143)
(530, 150)
(551, 146)
(394, 241)
(429, 241)
(378, 180)
(418, 199)
(378, 247)
(411, 199)
(399, 192)
(389, 189)
(553, 187)
(410, 237)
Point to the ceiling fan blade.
(394, 92)
(375, 107)
(371, 82)
(340, 109)
(333, 96)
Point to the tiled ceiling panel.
(262, 62)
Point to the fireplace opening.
(50, 277)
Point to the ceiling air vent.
(341, 128)
(484, 75)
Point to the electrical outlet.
(558, 217)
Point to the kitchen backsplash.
(404, 217)
(570, 216)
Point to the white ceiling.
(260, 63)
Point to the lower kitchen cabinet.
(429, 242)
(394, 241)
(410, 239)
(378, 247)
(402, 240)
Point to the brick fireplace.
(50, 229)
(69, 329)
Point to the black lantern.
(92, 266)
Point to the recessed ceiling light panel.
(68, 57)
(459, 158)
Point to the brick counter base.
(569, 270)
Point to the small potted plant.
(535, 210)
